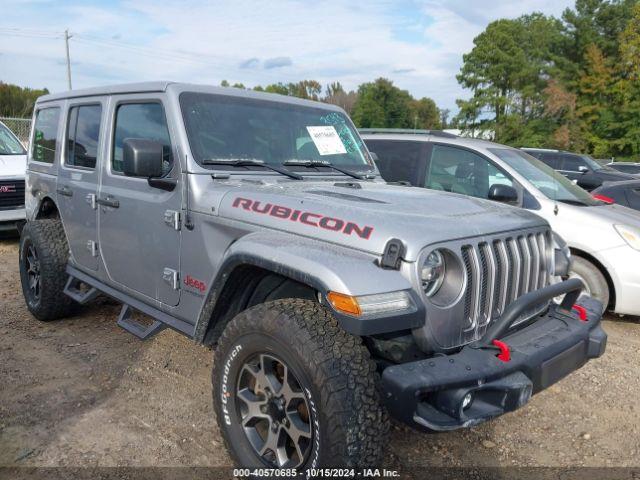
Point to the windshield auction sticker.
(326, 140)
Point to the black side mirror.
(583, 169)
(503, 193)
(142, 158)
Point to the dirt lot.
(83, 392)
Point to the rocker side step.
(143, 332)
(72, 289)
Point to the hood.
(591, 228)
(612, 175)
(367, 215)
(615, 214)
(13, 165)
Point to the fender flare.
(323, 268)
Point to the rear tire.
(596, 283)
(43, 259)
(286, 364)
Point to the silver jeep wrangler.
(258, 224)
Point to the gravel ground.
(81, 392)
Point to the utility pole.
(66, 43)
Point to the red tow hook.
(582, 312)
(505, 353)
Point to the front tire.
(593, 279)
(43, 259)
(291, 389)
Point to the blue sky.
(417, 44)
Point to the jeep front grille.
(11, 194)
(498, 271)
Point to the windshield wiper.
(323, 163)
(252, 162)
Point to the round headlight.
(432, 273)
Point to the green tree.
(507, 71)
(425, 114)
(382, 104)
(595, 98)
(627, 89)
(17, 101)
(593, 22)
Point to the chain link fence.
(20, 126)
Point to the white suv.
(604, 239)
(12, 170)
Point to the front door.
(78, 180)
(139, 231)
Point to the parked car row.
(604, 238)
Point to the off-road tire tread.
(49, 238)
(337, 362)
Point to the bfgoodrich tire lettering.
(335, 387)
(43, 259)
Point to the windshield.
(9, 144)
(551, 183)
(223, 127)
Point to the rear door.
(138, 224)
(78, 178)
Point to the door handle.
(108, 201)
(65, 190)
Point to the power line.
(162, 54)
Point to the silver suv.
(259, 224)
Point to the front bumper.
(431, 393)
(12, 219)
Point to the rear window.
(45, 141)
(398, 161)
(82, 136)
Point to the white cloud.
(418, 45)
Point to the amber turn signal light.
(344, 303)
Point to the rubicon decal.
(308, 218)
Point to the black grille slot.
(484, 267)
(497, 310)
(11, 194)
(466, 258)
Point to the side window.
(45, 134)
(550, 159)
(141, 120)
(83, 133)
(398, 161)
(572, 163)
(460, 171)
